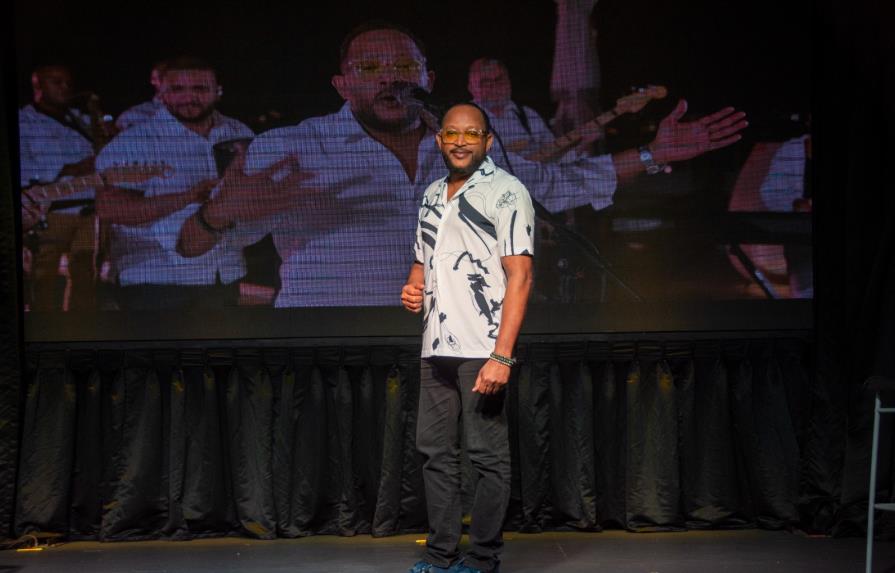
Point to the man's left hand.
(492, 378)
(679, 141)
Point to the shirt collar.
(510, 107)
(349, 127)
(484, 174)
(33, 110)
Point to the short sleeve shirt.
(460, 244)
(46, 146)
(785, 182)
(528, 134)
(147, 254)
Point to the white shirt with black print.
(460, 244)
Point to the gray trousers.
(446, 402)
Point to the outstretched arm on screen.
(678, 140)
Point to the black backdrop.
(163, 441)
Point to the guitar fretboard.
(561, 144)
(53, 191)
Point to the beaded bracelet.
(505, 360)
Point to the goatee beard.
(206, 113)
(462, 171)
(401, 125)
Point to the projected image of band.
(650, 187)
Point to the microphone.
(413, 95)
(226, 150)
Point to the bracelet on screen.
(203, 222)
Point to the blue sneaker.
(426, 567)
(459, 567)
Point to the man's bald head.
(489, 82)
(378, 66)
(464, 139)
(485, 120)
(52, 85)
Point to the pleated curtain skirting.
(265, 443)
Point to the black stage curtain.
(270, 443)
(10, 255)
(854, 115)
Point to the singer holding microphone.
(340, 193)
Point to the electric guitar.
(628, 104)
(37, 199)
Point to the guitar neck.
(562, 143)
(53, 191)
(573, 136)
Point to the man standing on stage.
(471, 279)
(344, 242)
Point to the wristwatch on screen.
(646, 157)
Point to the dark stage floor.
(700, 552)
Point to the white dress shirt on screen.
(348, 244)
(147, 254)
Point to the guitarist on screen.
(56, 143)
(520, 127)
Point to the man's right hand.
(201, 190)
(32, 214)
(412, 296)
(244, 197)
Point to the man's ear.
(430, 77)
(340, 83)
(163, 92)
(35, 86)
(489, 141)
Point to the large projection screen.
(307, 136)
